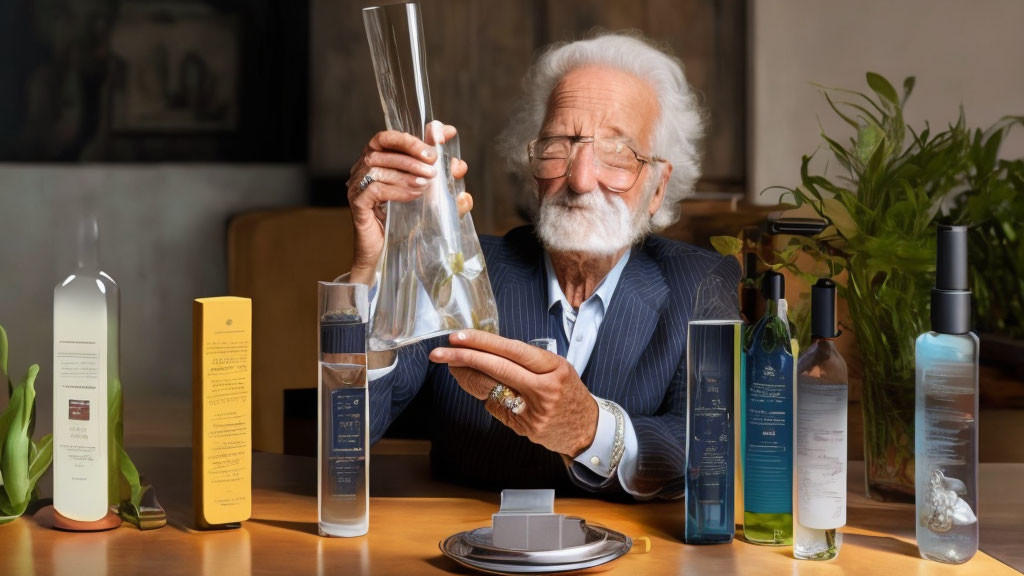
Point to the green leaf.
(840, 217)
(727, 245)
(908, 87)
(3, 361)
(115, 439)
(131, 474)
(835, 109)
(883, 88)
(14, 450)
(41, 460)
(868, 139)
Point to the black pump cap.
(951, 258)
(951, 297)
(773, 285)
(823, 309)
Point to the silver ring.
(366, 181)
(507, 397)
(517, 405)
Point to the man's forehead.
(600, 102)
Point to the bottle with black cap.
(946, 425)
(821, 434)
(768, 398)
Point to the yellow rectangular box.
(221, 411)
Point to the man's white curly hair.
(680, 124)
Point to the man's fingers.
(379, 192)
(501, 369)
(480, 385)
(508, 418)
(459, 168)
(396, 141)
(529, 357)
(398, 178)
(476, 383)
(399, 162)
(465, 203)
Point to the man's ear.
(659, 192)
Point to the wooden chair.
(276, 258)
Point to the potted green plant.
(882, 208)
(23, 461)
(994, 211)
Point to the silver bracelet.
(619, 445)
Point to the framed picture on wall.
(175, 69)
(154, 80)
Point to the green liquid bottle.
(768, 422)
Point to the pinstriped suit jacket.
(639, 362)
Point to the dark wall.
(137, 80)
(477, 53)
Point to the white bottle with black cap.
(819, 507)
(946, 425)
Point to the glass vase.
(888, 408)
(433, 279)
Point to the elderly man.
(609, 133)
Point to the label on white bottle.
(80, 403)
(821, 453)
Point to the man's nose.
(582, 176)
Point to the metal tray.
(474, 549)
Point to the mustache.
(565, 199)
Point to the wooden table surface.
(410, 514)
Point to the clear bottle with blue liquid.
(946, 425)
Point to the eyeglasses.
(618, 165)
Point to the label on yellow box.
(222, 410)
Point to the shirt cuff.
(598, 455)
(628, 462)
(375, 373)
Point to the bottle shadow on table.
(882, 543)
(304, 527)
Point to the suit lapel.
(628, 325)
(520, 290)
(517, 273)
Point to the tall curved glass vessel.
(433, 279)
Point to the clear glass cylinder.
(433, 278)
(343, 486)
(946, 446)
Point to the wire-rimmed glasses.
(618, 165)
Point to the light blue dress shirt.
(581, 328)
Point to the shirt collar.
(603, 292)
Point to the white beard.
(592, 223)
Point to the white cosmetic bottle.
(85, 360)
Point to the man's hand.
(560, 414)
(401, 166)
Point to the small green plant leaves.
(883, 88)
(727, 245)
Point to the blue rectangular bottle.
(713, 371)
